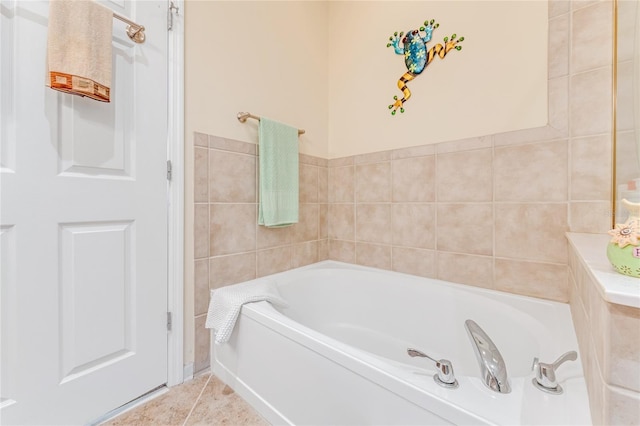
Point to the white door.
(83, 224)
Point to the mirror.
(627, 107)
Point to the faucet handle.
(545, 374)
(445, 376)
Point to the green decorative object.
(624, 249)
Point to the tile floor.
(205, 400)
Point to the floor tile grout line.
(197, 400)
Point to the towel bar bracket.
(134, 31)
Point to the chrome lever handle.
(445, 376)
(545, 374)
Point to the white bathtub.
(337, 355)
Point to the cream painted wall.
(496, 83)
(266, 57)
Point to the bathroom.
(546, 168)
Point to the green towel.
(278, 149)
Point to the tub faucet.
(444, 377)
(545, 374)
(492, 366)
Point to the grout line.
(197, 400)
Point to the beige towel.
(79, 48)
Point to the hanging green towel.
(278, 149)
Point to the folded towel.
(79, 48)
(278, 174)
(226, 303)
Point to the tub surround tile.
(342, 251)
(413, 225)
(200, 139)
(201, 280)
(201, 175)
(531, 232)
(202, 344)
(323, 221)
(374, 157)
(373, 182)
(559, 106)
(307, 227)
(273, 237)
(373, 223)
(323, 250)
(232, 177)
(308, 190)
(465, 228)
(413, 261)
(465, 269)
(464, 145)
(532, 172)
(542, 280)
(201, 231)
(231, 269)
(232, 228)
(558, 44)
(342, 161)
(590, 105)
(590, 177)
(231, 145)
(414, 151)
(472, 182)
(341, 184)
(304, 254)
(414, 179)
(323, 185)
(274, 260)
(374, 255)
(342, 222)
(591, 46)
(590, 216)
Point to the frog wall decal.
(416, 56)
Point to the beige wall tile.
(414, 179)
(558, 90)
(413, 225)
(622, 366)
(591, 42)
(323, 221)
(590, 104)
(202, 341)
(307, 227)
(591, 168)
(558, 7)
(273, 237)
(373, 157)
(374, 255)
(625, 95)
(623, 407)
(465, 176)
(201, 175)
(232, 228)
(373, 223)
(465, 228)
(304, 254)
(201, 282)
(200, 139)
(231, 269)
(323, 250)
(232, 145)
(465, 269)
(559, 45)
(414, 261)
(232, 177)
(536, 134)
(543, 280)
(323, 185)
(342, 251)
(308, 191)
(464, 144)
(274, 260)
(342, 222)
(414, 151)
(590, 216)
(532, 172)
(373, 182)
(201, 231)
(341, 162)
(533, 232)
(341, 184)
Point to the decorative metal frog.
(416, 56)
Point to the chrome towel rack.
(134, 31)
(242, 117)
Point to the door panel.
(83, 225)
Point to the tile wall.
(229, 246)
(492, 211)
(609, 339)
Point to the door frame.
(175, 194)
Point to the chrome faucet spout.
(492, 366)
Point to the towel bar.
(134, 31)
(242, 117)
